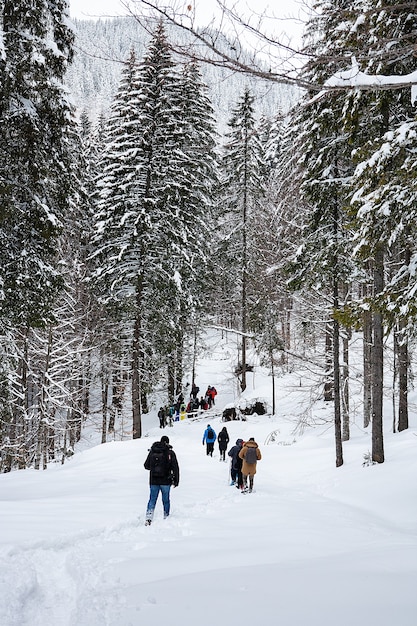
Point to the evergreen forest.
(143, 202)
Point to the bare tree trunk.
(403, 365)
(136, 366)
(336, 382)
(345, 389)
(286, 330)
(42, 416)
(195, 357)
(378, 365)
(171, 382)
(367, 368)
(104, 400)
(179, 365)
(329, 374)
(86, 389)
(271, 356)
(51, 443)
(116, 397)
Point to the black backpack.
(250, 456)
(159, 463)
(210, 433)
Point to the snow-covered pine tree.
(151, 229)
(325, 153)
(272, 244)
(118, 241)
(384, 195)
(35, 184)
(242, 190)
(34, 154)
(192, 178)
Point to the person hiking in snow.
(212, 392)
(209, 438)
(164, 471)
(223, 440)
(208, 397)
(250, 455)
(236, 464)
(162, 417)
(194, 391)
(171, 415)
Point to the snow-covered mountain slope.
(313, 544)
(102, 46)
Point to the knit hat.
(164, 439)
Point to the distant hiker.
(171, 415)
(208, 397)
(203, 403)
(164, 472)
(209, 438)
(178, 404)
(223, 440)
(194, 390)
(250, 454)
(236, 464)
(162, 417)
(212, 393)
(193, 406)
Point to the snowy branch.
(274, 59)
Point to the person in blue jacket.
(209, 438)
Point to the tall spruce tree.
(242, 190)
(34, 154)
(383, 196)
(324, 148)
(35, 184)
(191, 183)
(151, 227)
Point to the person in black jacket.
(164, 471)
(236, 464)
(223, 440)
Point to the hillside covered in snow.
(313, 544)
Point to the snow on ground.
(313, 545)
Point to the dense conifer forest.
(162, 197)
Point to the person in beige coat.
(250, 455)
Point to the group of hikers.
(179, 410)
(244, 457)
(164, 471)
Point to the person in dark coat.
(223, 440)
(250, 455)
(236, 464)
(164, 472)
(162, 417)
(208, 397)
(194, 391)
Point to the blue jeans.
(154, 497)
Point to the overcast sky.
(204, 8)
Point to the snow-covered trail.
(311, 544)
